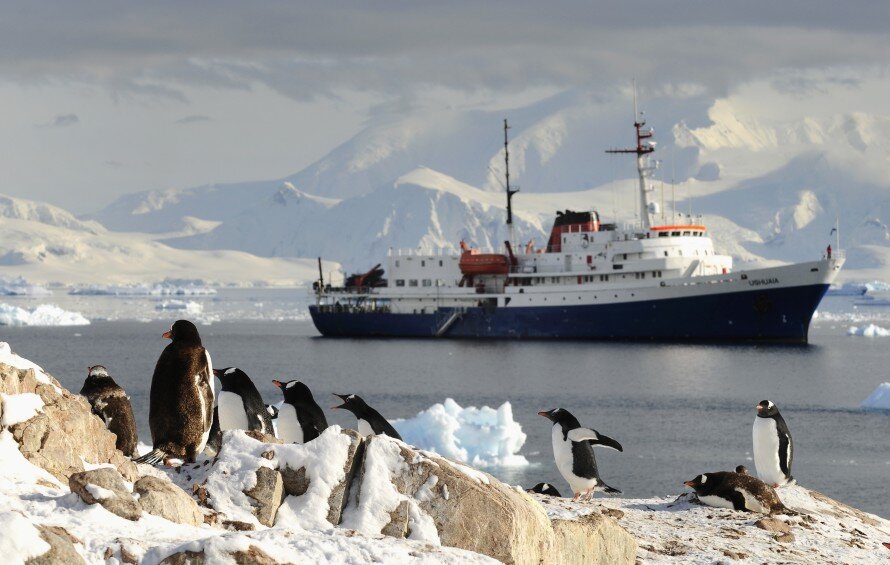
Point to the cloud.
(307, 50)
(62, 121)
(194, 119)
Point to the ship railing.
(422, 252)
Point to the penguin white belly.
(766, 451)
(565, 460)
(289, 428)
(716, 501)
(208, 412)
(365, 428)
(231, 412)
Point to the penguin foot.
(575, 498)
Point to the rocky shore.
(68, 496)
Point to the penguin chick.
(180, 412)
(111, 403)
(545, 488)
(573, 452)
(369, 420)
(735, 491)
(239, 404)
(300, 419)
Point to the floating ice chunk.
(43, 315)
(482, 437)
(20, 287)
(879, 399)
(870, 330)
(19, 407)
(189, 307)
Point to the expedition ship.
(594, 280)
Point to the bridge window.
(423, 263)
(675, 233)
(440, 262)
(400, 282)
(663, 234)
(412, 282)
(427, 282)
(685, 233)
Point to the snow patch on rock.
(19, 407)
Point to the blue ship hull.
(774, 315)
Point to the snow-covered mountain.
(45, 244)
(769, 168)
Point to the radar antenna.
(510, 190)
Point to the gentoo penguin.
(773, 447)
(544, 488)
(369, 420)
(300, 418)
(180, 412)
(741, 470)
(736, 491)
(111, 403)
(573, 452)
(239, 404)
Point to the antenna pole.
(510, 191)
(641, 150)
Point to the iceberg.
(870, 330)
(20, 287)
(167, 287)
(43, 315)
(879, 399)
(482, 437)
(189, 307)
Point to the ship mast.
(510, 191)
(642, 149)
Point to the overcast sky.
(102, 98)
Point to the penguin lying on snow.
(180, 411)
(773, 447)
(369, 420)
(300, 419)
(111, 403)
(573, 452)
(736, 491)
(239, 404)
(545, 488)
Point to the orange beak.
(168, 334)
(542, 413)
(277, 383)
(690, 484)
(759, 408)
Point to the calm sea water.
(678, 410)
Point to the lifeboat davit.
(484, 264)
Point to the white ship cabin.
(581, 251)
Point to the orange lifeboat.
(484, 264)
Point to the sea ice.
(189, 307)
(164, 288)
(870, 330)
(43, 315)
(879, 399)
(482, 437)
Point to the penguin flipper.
(609, 490)
(153, 457)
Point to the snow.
(482, 437)
(99, 493)
(20, 540)
(870, 330)
(879, 399)
(7, 357)
(42, 315)
(19, 407)
(20, 287)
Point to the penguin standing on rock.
(181, 402)
(736, 491)
(573, 452)
(300, 419)
(239, 404)
(773, 447)
(111, 403)
(369, 420)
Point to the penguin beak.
(690, 484)
(544, 413)
(759, 408)
(168, 334)
(278, 383)
(343, 397)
